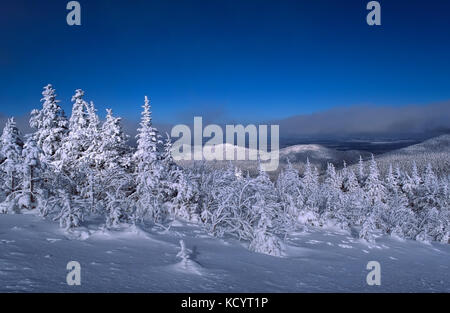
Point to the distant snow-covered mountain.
(435, 151)
(318, 155)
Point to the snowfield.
(34, 253)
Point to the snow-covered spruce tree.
(391, 181)
(114, 216)
(350, 182)
(353, 208)
(80, 151)
(309, 213)
(50, 124)
(430, 180)
(118, 185)
(361, 172)
(225, 203)
(411, 184)
(32, 170)
(110, 174)
(76, 142)
(119, 207)
(375, 201)
(399, 177)
(400, 220)
(169, 176)
(444, 202)
(369, 227)
(176, 189)
(263, 186)
(206, 181)
(431, 227)
(333, 201)
(374, 188)
(148, 169)
(186, 200)
(415, 175)
(94, 138)
(71, 211)
(11, 167)
(289, 188)
(113, 148)
(263, 239)
(90, 162)
(433, 217)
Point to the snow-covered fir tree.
(32, 171)
(374, 189)
(415, 175)
(91, 160)
(265, 188)
(309, 214)
(263, 238)
(361, 171)
(352, 211)
(225, 203)
(50, 124)
(431, 210)
(391, 180)
(76, 142)
(148, 168)
(11, 150)
(375, 202)
(177, 190)
(71, 211)
(92, 154)
(147, 139)
(398, 218)
(333, 200)
(117, 208)
(289, 187)
(113, 148)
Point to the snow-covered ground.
(34, 254)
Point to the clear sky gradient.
(243, 60)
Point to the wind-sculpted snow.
(35, 252)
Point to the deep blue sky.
(239, 59)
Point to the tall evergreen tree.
(92, 154)
(311, 195)
(415, 175)
(113, 148)
(147, 140)
(375, 201)
(32, 172)
(332, 195)
(289, 188)
(148, 168)
(361, 172)
(11, 149)
(50, 124)
(76, 143)
(374, 188)
(263, 238)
